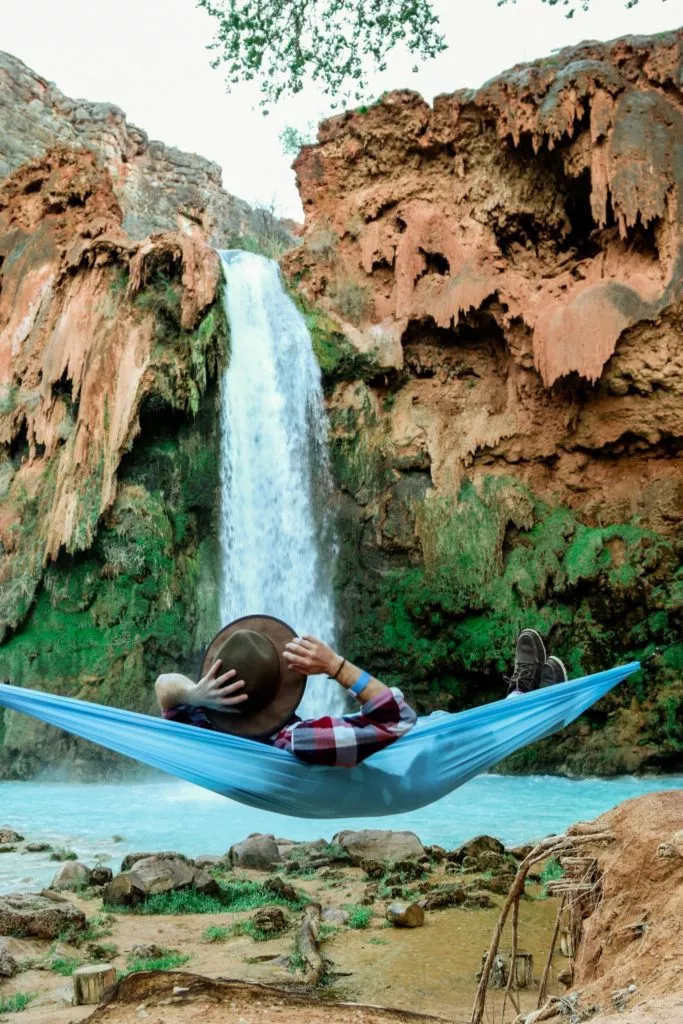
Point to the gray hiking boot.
(553, 672)
(529, 660)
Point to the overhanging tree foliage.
(334, 43)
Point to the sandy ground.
(428, 970)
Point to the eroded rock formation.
(507, 420)
(107, 563)
(158, 188)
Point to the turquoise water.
(171, 815)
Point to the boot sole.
(556, 661)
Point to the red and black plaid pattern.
(341, 742)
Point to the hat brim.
(290, 687)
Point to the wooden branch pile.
(579, 892)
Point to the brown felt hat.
(253, 646)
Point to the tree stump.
(500, 970)
(90, 983)
(307, 944)
(405, 915)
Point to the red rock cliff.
(507, 268)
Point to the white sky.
(149, 57)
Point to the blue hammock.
(439, 754)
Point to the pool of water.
(170, 815)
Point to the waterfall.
(278, 557)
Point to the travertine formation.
(158, 188)
(507, 427)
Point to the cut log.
(91, 982)
(500, 971)
(405, 915)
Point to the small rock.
(319, 862)
(258, 852)
(293, 867)
(335, 916)
(8, 835)
(478, 901)
(408, 870)
(405, 915)
(8, 965)
(370, 894)
(436, 853)
(8, 847)
(101, 876)
(150, 952)
(270, 920)
(71, 875)
(499, 884)
(205, 884)
(159, 874)
(667, 851)
(520, 852)
(277, 887)
(37, 848)
(372, 868)
(445, 896)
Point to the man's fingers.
(211, 674)
(311, 639)
(229, 701)
(226, 675)
(230, 688)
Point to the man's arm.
(213, 691)
(311, 656)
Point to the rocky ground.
(371, 917)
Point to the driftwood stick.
(307, 945)
(546, 970)
(512, 973)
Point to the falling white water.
(278, 558)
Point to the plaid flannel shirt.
(342, 742)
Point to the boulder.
(380, 845)
(37, 848)
(8, 965)
(158, 874)
(373, 868)
(8, 847)
(478, 901)
(132, 858)
(335, 916)
(71, 875)
(520, 852)
(498, 884)
(405, 915)
(474, 848)
(126, 890)
(270, 920)
(258, 852)
(436, 853)
(8, 835)
(207, 861)
(27, 914)
(101, 875)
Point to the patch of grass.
(65, 965)
(359, 917)
(236, 895)
(216, 933)
(170, 960)
(62, 853)
(327, 931)
(376, 941)
(16, 1003)
(297, 964)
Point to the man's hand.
(311, 656)
(212, 691)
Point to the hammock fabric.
(439, 754)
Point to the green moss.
(337, 357)
(497, 560)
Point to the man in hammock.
(257, 696)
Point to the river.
(169, 815)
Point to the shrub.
(236, 895)
(14, 1004)
(62, 853)
(65, 965)
(322, 242)
(359, 917)
(352, 299)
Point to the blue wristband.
(360, 684)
